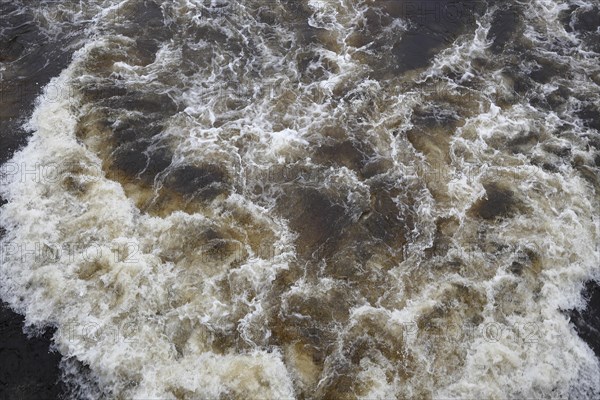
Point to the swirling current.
(310, 199)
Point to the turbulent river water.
(311, 199)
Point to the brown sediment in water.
(329, 309)
(499, 201)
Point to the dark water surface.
(30, 58)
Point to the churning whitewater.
(313, 199)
